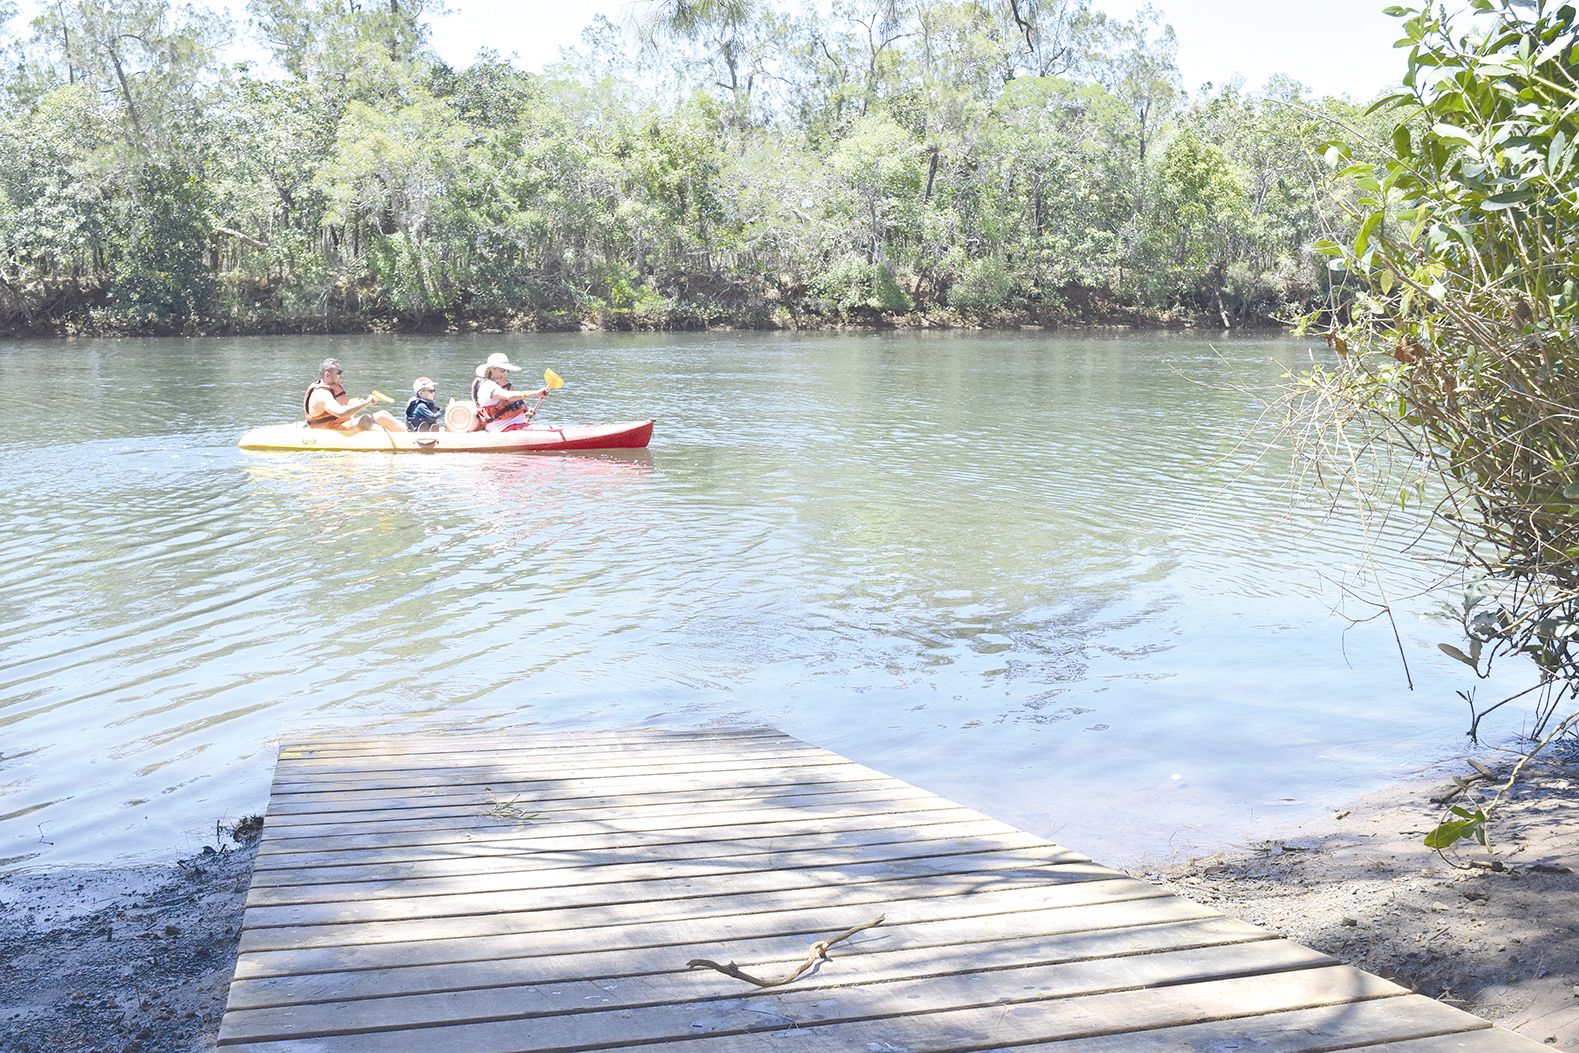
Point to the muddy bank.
(1495, 933)
(135, 959)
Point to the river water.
(1064, 580)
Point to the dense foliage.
(730, 161)
(1462, 345)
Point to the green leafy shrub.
(850, 284)
(1461, 342)
(985, 284)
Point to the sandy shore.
(1495, 933)
(140, 959)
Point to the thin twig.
(818, 952)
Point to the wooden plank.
(487, 816)
(552, 850)
(564, 932)
(419, 779)
(657, 853)
(594, 837)
(553, 888)
(423, 745)
(1320, 1030)
(380, 923)
(1488, 1040)
(546, 809)
(494, 882)
(289, 806)
(773, 941)
(885, 1016)
(620, 821)
(291, 772)
(677, 992)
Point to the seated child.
(422, 413)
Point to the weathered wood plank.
(1158, 953)
(415, 776)
(775, 941)
(492, 883)
(463, 764)
(700, 841)
(444, 831)
(555, 888)
(961, 874)
(525, 812)
(1489, 1040)
(1319, 1030)
(593, 837)
(884, 1016)
(572, 931)
(965, 832)
(423, 745)
(291, 806)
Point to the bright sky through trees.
(1338, 47)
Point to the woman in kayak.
(326, 406)
(499, 406)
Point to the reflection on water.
(1050, 578)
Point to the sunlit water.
(1058, 579)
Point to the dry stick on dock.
(818, 952)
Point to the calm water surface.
(1051, 578)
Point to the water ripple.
(1018, 570)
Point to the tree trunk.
(126, 92)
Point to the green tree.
(1197, 202)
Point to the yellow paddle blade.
(379, 396)
(552, 381)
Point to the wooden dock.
(504, 894)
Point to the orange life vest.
(323, 420)
(491, 413)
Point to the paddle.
(553, 382)
(373, 397)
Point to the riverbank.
(129, 960)
(140, 959)
(1494, 933)
(1082, 313)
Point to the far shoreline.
(1114, 319)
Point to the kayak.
(535, 438)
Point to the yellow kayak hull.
(538, 438)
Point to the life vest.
(497, 410)
(323, 420)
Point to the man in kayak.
(326, 406)
(499, 406)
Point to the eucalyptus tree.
(1056, 186)
(1138, 61)
(313, 38)
(1045, 38)
(154, 64)
(729, 40)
